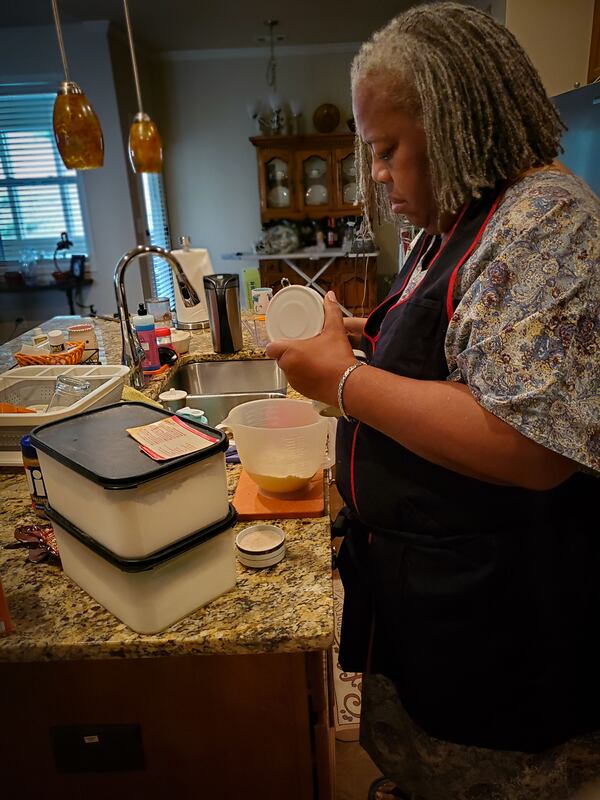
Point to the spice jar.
(35, 479)
(57, 341)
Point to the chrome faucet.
(132, 353)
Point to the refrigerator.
(580, 111)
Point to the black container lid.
(96, 444)
(154, 559)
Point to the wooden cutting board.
(250, 504)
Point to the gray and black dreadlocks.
(484, 110)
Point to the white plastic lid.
(56, 337)
(295, 312)
(172, 394)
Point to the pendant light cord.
(61, 45)
(133, 61)
(272, 65)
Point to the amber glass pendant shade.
(145, 146)
(77, 129)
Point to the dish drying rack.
(34, 386)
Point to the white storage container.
(152, 593)
(34, 386)
(98, 478)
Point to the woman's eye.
(385, 156)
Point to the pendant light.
(76, 127)
(145, 146)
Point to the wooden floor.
(354, 771)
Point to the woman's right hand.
(354, 328)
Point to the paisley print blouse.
(525, 334)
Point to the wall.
(210, 166)
(556, 35)
(112, 228)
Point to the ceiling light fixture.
(76, 127)
(145, 146)
(274, 122)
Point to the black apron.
(479, 601)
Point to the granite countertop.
(285, 608)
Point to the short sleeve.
(525, 335)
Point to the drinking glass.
(68, 391)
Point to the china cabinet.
(313, 178)
(303, 177)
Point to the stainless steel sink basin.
(218, 386)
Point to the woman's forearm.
(442, 422)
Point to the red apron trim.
(374, 339)
(453, 277)
(435, 258)
(352, 453)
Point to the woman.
(470, 446)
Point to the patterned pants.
(429, 769)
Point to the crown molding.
(282, 51)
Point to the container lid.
(163, 331)
(96, 444)
(153, 560)
(295, 312)
(172, 394)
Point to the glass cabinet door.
(346, 178)
(315, 179)
(277, 182)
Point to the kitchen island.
(235, 695)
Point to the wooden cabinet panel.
(212, 726)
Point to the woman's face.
(399, 151)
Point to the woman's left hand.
(314, 366)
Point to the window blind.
(39, 196)
(157, 229)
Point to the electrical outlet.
(97, 748)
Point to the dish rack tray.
(34, 386)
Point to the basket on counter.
(72, 355)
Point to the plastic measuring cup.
(281, 443)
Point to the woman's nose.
(380, 172)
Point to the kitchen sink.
(218, 386)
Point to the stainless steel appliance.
(223, 302)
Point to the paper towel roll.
(196, 263)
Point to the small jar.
(163, 338)
(35, 479)
(57, 341)
(160, 308)
(38, 337)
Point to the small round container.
(173, 399)
(260, 546)
(180, 340)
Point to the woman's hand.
(314, 366)
(354, 328)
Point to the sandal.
(378, 786)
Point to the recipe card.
(170, 438)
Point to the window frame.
(40, 85)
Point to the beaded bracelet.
(340, 391)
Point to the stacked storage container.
(150, 541)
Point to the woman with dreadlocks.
(469, 444)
